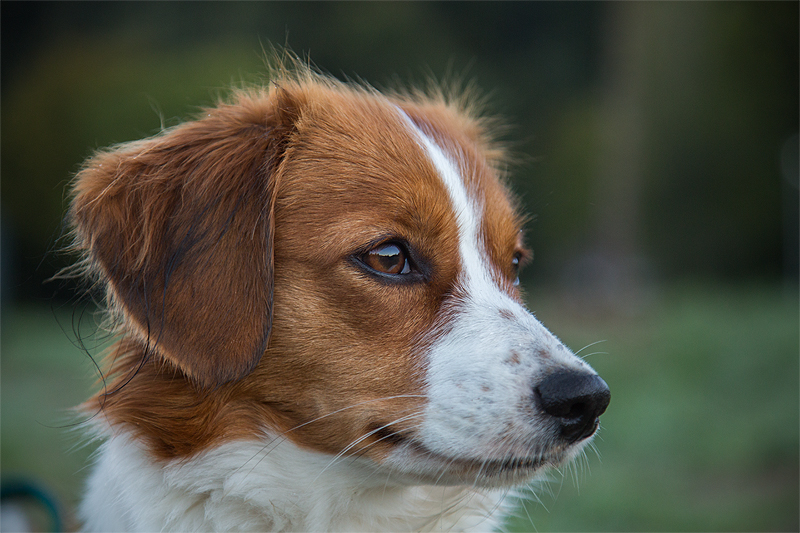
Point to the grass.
(702, 430)
(701, 434)
(43, 376)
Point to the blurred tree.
(674, 156)
(723, 98)
(609, 270)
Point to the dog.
(314, 287)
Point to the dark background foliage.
(648, 135)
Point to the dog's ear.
(180, 227)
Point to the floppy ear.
(180, 226)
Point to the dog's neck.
(270, 486)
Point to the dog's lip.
(485, 466)
(518, 467)
(497, 466)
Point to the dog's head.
(324, 262)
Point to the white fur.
(269, 485)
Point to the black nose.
(576, 400)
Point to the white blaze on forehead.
(466, 209)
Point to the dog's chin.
(415, 462)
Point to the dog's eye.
(516, 263)
(388, 258)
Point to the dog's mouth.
(488, 471)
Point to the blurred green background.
(655, 144)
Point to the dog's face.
(337, 267)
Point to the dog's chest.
(269, 486)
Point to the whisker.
(588, 355)
(532, 495)
(589, 346)
(528, 514)
(353, 406)
(364, 437)
(596, 451)
(573, 469)
(498, 504)
(451, 505)
(444, 471)
(282, 437)
(264, 451)
(586, 463)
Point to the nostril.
(576, 399)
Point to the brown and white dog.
(315, 289)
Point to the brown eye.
(388, 259)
